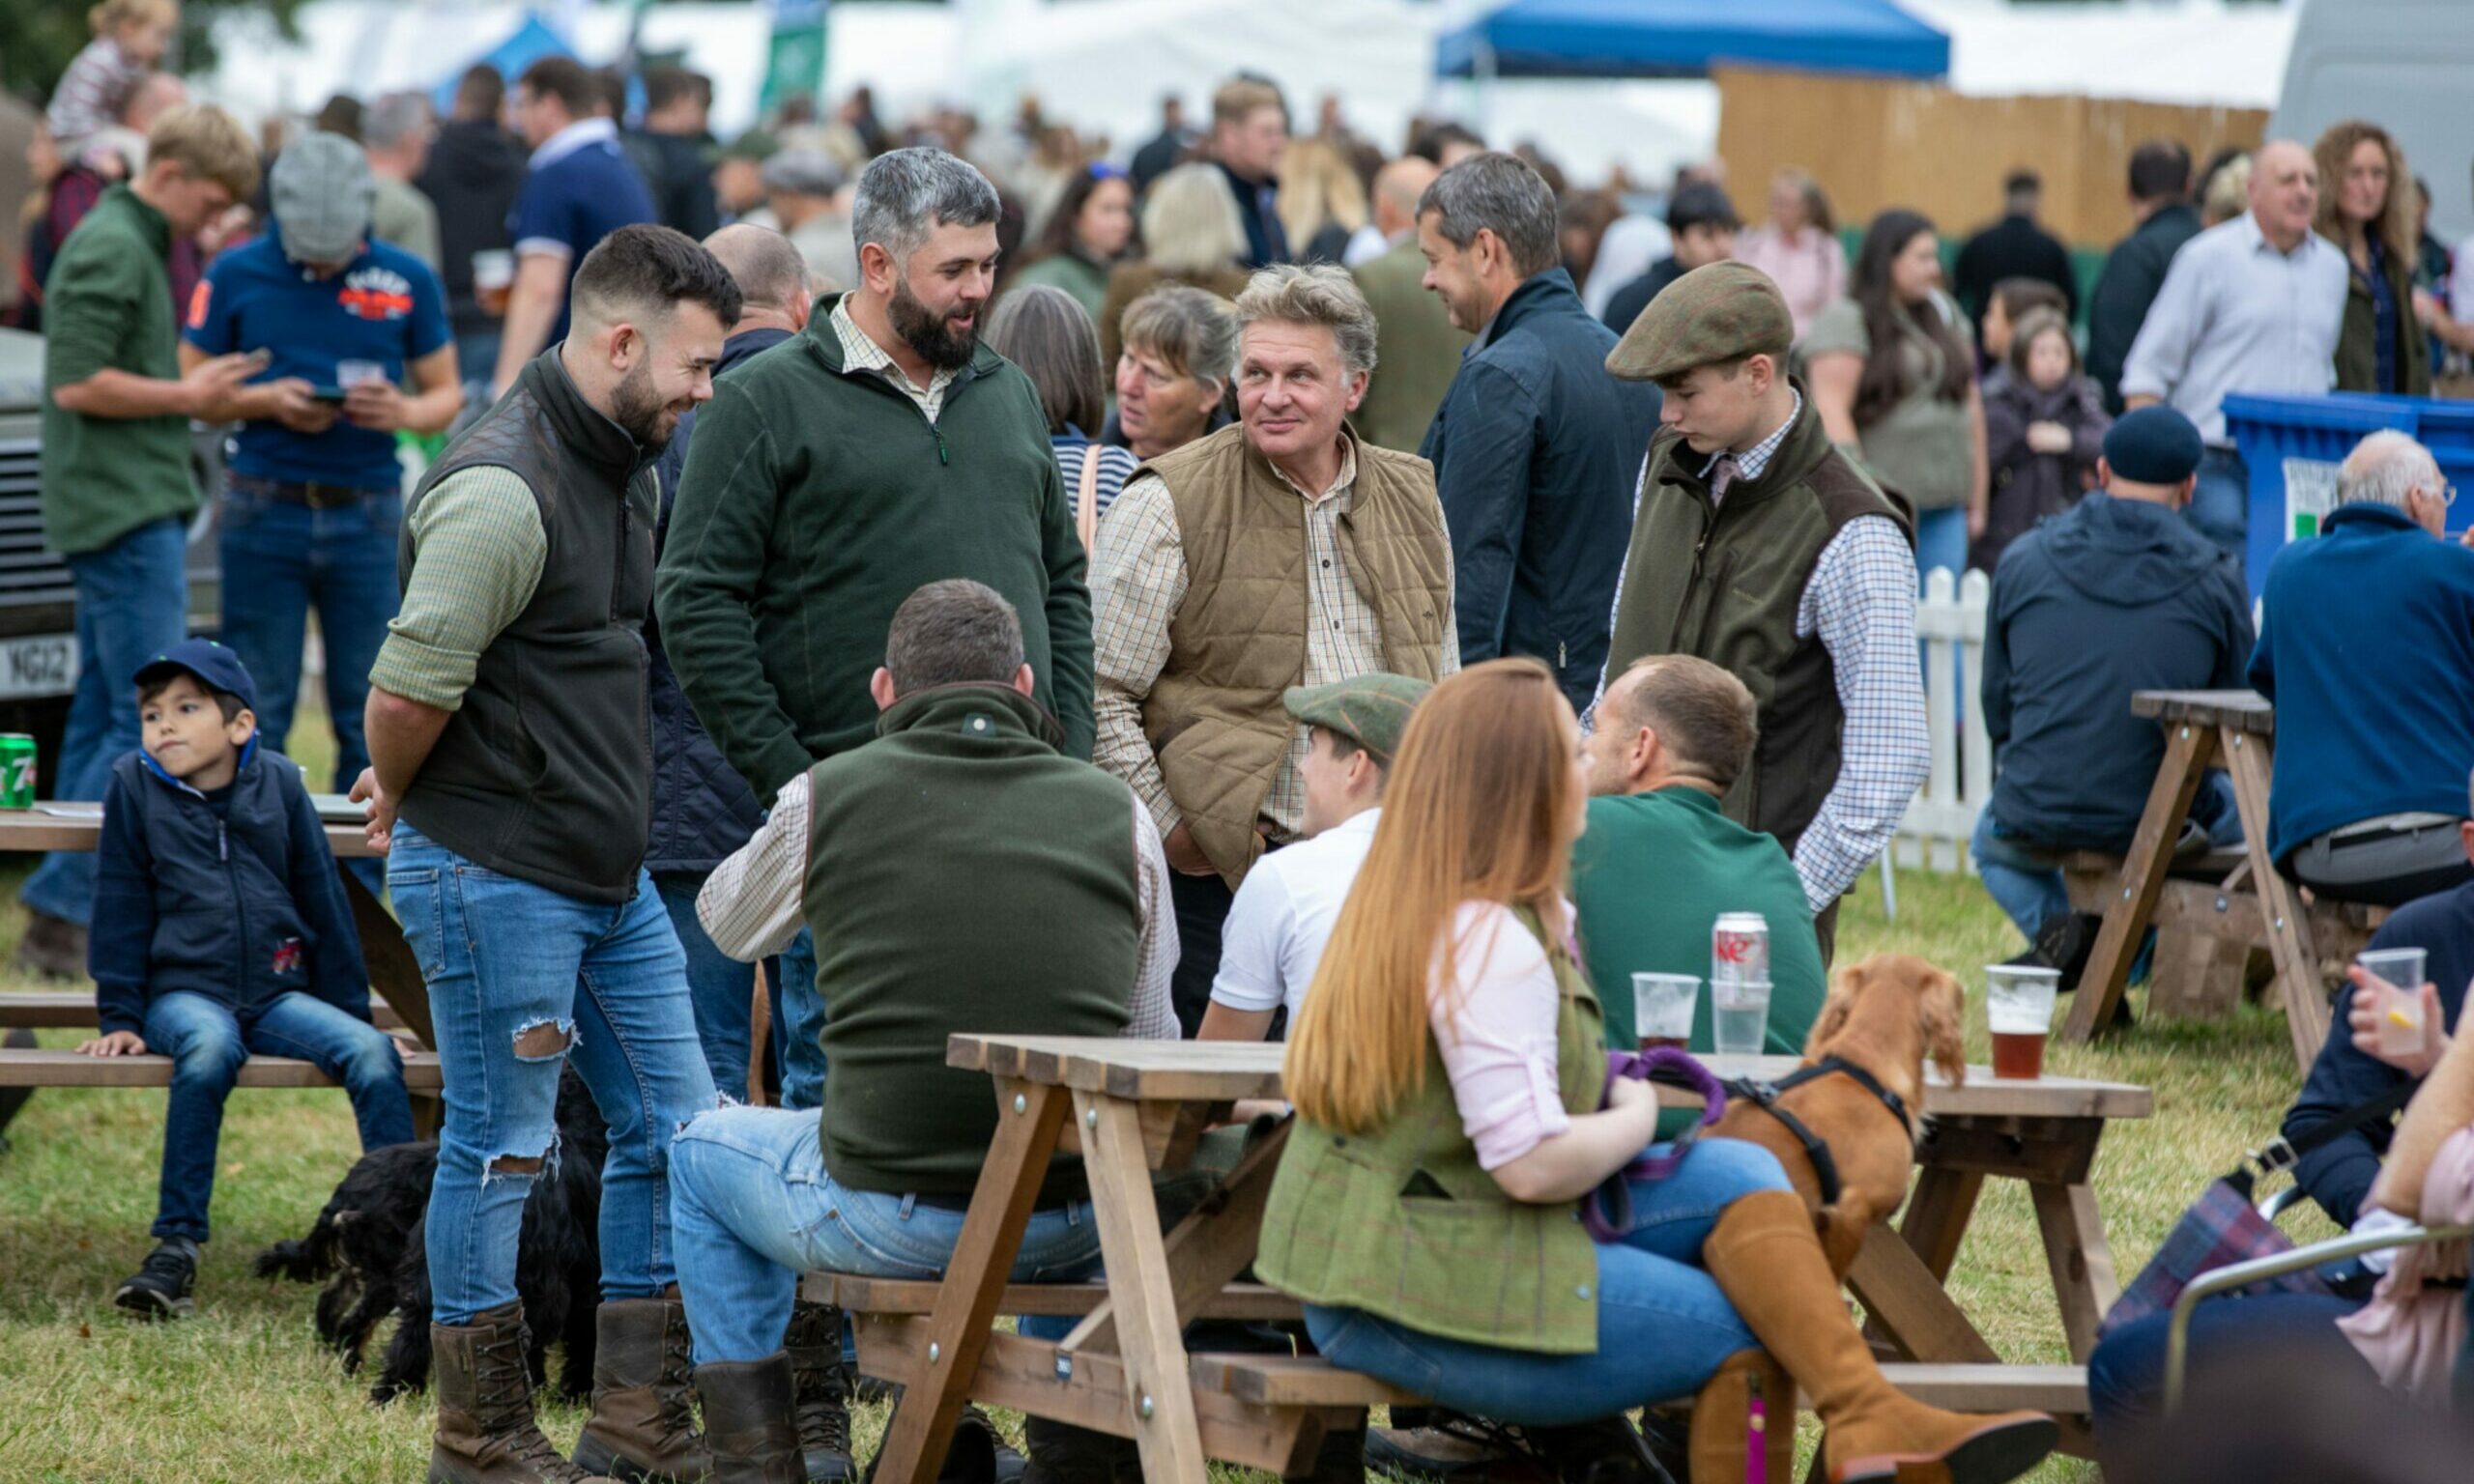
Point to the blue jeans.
(133, 603)
(520, 979)
(754, 1207)
(1941, 541)
(280, 560)
(2221, 505)
(2025, 877)
(799, 1016)
(721, 989)
(208, 1042)
(1663, 1327)
(2126, 1375)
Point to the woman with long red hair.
(1447, 1069)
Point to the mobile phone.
(334, 394)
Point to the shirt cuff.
(423, 672)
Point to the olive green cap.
(1719, 311)
(1370, 710)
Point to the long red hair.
(1476, 808)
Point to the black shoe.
(2066, 943)
(162, 1288)
(53, 946)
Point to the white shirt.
(2460, 284)
(1284, 913)
(2237, 315)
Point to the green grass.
(242, 1392)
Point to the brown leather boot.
(642, 1428)
(747, 1420)
(821, 1387)
(1723, 1428)
(1766, 1257)
(485, 1433)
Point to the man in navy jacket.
(2367, 648)
(1536, 452)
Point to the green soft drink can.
(16, 770)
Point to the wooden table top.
(38, 829)
(1224, 1070)
(2241, 711)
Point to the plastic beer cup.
(1662, 1009)
(2017, 1010)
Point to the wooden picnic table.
(2236, 731)
(1131, 1106)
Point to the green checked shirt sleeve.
(477, 552)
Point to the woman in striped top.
(1046, 331)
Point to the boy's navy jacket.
(240, 907)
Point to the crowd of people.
(1267, 588)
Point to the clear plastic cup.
(1738, 1018)
(2401, 1032)
(352, 373)
(2017, 1010)
(493, 277)
(1662, 1007)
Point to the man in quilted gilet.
(1278, 552)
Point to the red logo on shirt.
(376, 294)
(198, 303)
(287, 957)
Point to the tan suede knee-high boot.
(1766, 1257)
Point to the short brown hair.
(2018, 297)
(1047, 333)
(1193, 331)
(226, 701)
(1704, 714)
(1240, 97)
(565, 79)
(954, 632)
(208, 144)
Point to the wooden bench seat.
(73, 1010)
(67, 1069)
(896, 1295)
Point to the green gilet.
(1404, 1224)
(1723, 584)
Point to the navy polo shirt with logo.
(385, 307)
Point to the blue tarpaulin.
(525, 45)
(1686, 38)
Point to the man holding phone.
(315, 494)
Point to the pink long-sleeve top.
(1810, 269)
(1496, 1032)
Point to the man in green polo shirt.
(1659, 862)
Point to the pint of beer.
(493, 274)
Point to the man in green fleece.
(882, 448)
(116, 489)
(1660, 863)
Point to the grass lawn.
(242, 1392)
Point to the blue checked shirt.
(1860, 600)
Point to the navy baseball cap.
(2154, 445)
(215, 667)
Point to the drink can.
(1739, 951)
(17, 771)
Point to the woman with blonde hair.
(2365, 208)
(1190, 234)
(1447, 1069)
(1322, 202)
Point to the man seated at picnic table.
(2117, 595)
(961, 875)
(1659, 862)
(1286, 909)
(2367, 650)
(2126, 1373)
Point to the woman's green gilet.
(1404, 1224)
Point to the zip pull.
(941, 456)
(222, 841)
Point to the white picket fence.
(1951, 621)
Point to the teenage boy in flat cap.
(1757, 547)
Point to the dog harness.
(1817, 1149)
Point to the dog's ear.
(1840, 1003)
(1941, 1013)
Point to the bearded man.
(880, 450)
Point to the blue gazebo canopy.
(525, 45)
(1685, 38)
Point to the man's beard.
(640, 412)
(926, 331)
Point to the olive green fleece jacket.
(814, 500)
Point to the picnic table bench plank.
(67, 1069)
(909, 1295)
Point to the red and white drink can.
(1739, 951)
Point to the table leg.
(2247, 758)
(1207, 1251)
(1907, 1301)
(2082, 1262)
(394, 972)
(1149, 1335)
(923, 1422)
(1938, 1212)
(2188, 747)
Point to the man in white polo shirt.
(1288, 904)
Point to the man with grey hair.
(1533, 446)
(882, 448)
(2367, 648)
(803, 191)
(1195, 640)
(395, 132)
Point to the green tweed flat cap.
(1719, 311)
(1370, 710)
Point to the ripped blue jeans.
(522, 978)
